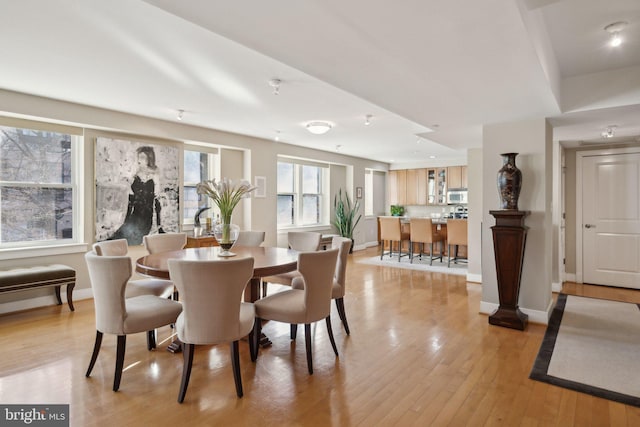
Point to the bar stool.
(422, 232)
(391, 230)
(456, 236)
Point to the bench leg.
(70, 287)
(57, 288)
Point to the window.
(198, 167)
(301, 197)
(374, 192)
(38, 187)
(368, 192)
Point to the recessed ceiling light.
(615, 29)
(277, 137)
(609, 131)
(180, 114)
(319, 128)
(275, 84)
(432, 156)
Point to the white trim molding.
(535, 316)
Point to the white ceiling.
(435, 69)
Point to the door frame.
(580, 155)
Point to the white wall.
(261, 156)
(532, 139)
(475, 189)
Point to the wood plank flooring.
(419, 354)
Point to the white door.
(611, 220)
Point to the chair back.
(249, 238)
(164, 242)
(109, 276)
(343, 244)
(457, 232)
(211, 295)
(422, 231)
(317, 270)
(118, 247)
(390, 229)
(304, 241)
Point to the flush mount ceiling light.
(615, 29)
(609, 131)
(318, 128)
(275, 84)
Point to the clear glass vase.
(226, 235)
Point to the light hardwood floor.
(419, 354)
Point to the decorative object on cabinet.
(509, 182)
(509, 239)
(397, 210)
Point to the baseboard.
(535, 316)
(570, 277)
(475, 278)
(556, 287)
(26, 304)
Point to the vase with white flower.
(225, 194)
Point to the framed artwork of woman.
(137, 188)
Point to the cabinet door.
(431, 186)
(397, 187)
(441, 189)
(465, 180)
(412, 187)
(422, 187)
(454, 176)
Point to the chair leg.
(252, 344)
(399, 250)
(342, 314)
(307, 341)
(410, 252)
(431, 254)
(151, 339)
(257, 329)
(264, 289)
(449, 256)
(122, 343)
(330, 331)
(235, 363)
(382, 250)
(96, 350)
(294, 331)
(187, 353)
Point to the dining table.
(268, 261)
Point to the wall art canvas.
(137, 189)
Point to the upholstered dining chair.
(303, 306)
(391, 230)
(249, 238)
(301, 241)
(122, 316)
(136, 287)
(343, 244)
(456, 236)
(211, 294)
(163, 242)
(423, 233)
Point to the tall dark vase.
(509, 182)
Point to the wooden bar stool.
(456, 236)
(391, 230)
(422, 232)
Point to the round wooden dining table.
(268, 261)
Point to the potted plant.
(346, 215)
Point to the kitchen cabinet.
(437, 186)
(416, 187)
(457, 177)
(398, 187)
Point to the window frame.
(299, 196)
(213, 172)
(13, 250)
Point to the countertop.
(406, 219)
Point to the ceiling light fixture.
(275, 84)
(338, 147)
(180, 114)
(318, 128)
(615, 29)
(277, 137)
(367, 119)
(609, 131)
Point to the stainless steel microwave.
(456, 197)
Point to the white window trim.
(298, 195)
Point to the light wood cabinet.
(437, 186)
(398, 187)
(457, 177)
(416, 187)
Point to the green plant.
(397, 210)
(345, 214)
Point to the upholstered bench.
(56, 275)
